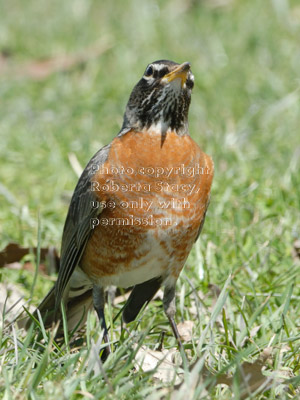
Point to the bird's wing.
(77, 229)
(206, 183)
(203, 220)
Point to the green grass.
(245, 113)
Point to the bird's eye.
(149, 71)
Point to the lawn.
(66, 72)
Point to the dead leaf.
(162, 362)
(214, 289)
(122, 298)
(186, 389)
(4, 56)
(11, 256)
(296, 250)
(42, 69)
(11, 298)
(185, 330)
(254, 331)
(193, 309)
(250, 375)
(28, 266)
(159, 295)
(218, 3)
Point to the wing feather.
(77, 229)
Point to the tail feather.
(77, 299)
(46, 309)
(76, 311)
(140, 295)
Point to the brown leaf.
(250, 375)
(218, 3)
(11, 298)
(42, 69)
(185, 330)
(11, 256)
(186, 389)
(296, 250)
(121, 298)
(4, 56)
(162, 362)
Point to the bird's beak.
(180, 72)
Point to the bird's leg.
(99, 302)
(170, 310)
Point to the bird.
(137, 209)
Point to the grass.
(245, 113)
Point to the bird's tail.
(77, 300)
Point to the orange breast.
(153, 198)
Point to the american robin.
(138, 206)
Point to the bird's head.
(160, 100)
